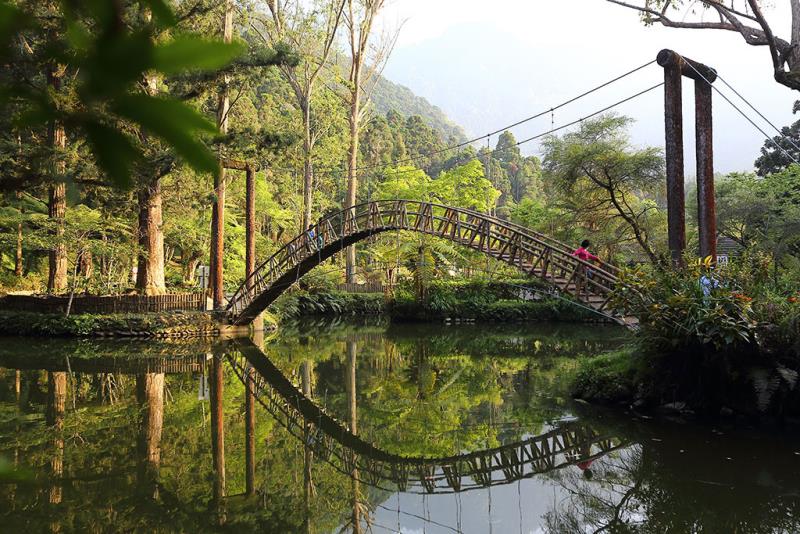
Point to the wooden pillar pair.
(217, 246)
(675, 68)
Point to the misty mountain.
(390, 96)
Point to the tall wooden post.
(675, 67)
(250, 234)
(706, 204)
(673, 123)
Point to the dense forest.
(115, 172)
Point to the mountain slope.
(390, 96)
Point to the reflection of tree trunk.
(308, 455)
(352, 410)
(250, 433)
(56, 403)
(218, 434)
(150, 396)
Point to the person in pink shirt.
(583, 253)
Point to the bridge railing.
(506, 241)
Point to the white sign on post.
(203, 275)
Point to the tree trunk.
(352, 165)
(250, 223)
(190, 268)
(86, 264)
(150, 268)
(308, 168)
(18, 255)
(218, 214)
(57, 207)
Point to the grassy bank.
(172, 324)
(494, 302)
(487, 302)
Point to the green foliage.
(94, 41)
(762, 214)
(734, 343)
(86, 325)
(780, 152)
(607, 184)
(609, 378)
(494, 301)
(300, 303)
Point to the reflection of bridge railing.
(330, 440)
(531, 252)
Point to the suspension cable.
(558, 128)
(742, 113)
(463, 144)
(780, 132)
(589, 116)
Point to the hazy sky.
(488, 64)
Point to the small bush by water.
(729, 341)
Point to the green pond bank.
(475, 301)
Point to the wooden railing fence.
(105, 304)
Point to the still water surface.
(331, 427)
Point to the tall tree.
(606, 181)
(57, 202)
(218, 209)
(150, 265)
(782, 150)
(744, 17)
(311, 32)
(359, 18)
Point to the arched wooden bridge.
(531, 252)
(565, 445)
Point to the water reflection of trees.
(108, 463)
(438, 390)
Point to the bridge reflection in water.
(568, 444)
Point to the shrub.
(736, 343)
(609, 378)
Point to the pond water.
(365, 427)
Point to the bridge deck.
(534, 254)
